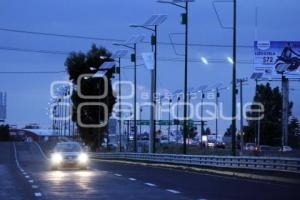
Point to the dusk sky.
(29, 94)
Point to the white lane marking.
(117, 174)
(150, 184)
(132, 179)
(24, 173)
(31, 181)
(38, 194)
(42, 152)
(16, 157)
(173, 191)
(27, 176)
(35, 186)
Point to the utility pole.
(141, 110)
(169, 123)
(233, 128)
(217, 112)
(241, 82)
(285, 108)
(120, 107)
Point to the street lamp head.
(230, 60)
(204, 60)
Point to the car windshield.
(68, 148)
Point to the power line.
(32, 72)
(116, 40)
(164, 59)
(60, 35)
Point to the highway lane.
(204, 186)
(13, 185)
(94, 183)
(111, 180)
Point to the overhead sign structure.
(148, 60)
(274, 58)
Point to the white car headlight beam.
(83, 158)
(56, 158)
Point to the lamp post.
(218, 90)
(185, 20)
(152, 25)
(202, 90)
(118, 55)
(233, 123)
(133, 41)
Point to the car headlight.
(56, 158)
(83, 158)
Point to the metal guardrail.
(244, 162)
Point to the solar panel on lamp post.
(151, 24)
(133, 42)
(119, 55)
(185, 21)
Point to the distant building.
(2, 107)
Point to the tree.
(4, 133)
(270, 125)
(78, 64)
(294, 132)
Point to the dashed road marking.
(30, 181)
(132, 179)
(38, 194)
(117, 174)
(27, 176)
(173, 191)
(35, 186)
(150, 184)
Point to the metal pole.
(185, 80)
(177, 116)
(233, 130)
(141, 110)
(169, 127)
(256, 124)
(70, 114)
(152, 138)
(120, 107)
(202, 122)
(284, 118)
(241, 115)
(134, 114)
(217, 112)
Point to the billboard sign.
(272, 58)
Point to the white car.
(68, 154)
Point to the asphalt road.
(110, 180)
